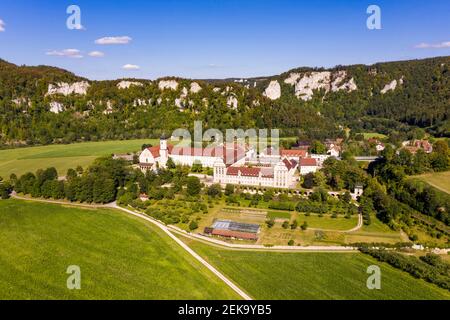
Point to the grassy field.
(62, 157)
(279, 215)
(267, 275)
(439, 180)
(372, 135)
(120, 257)
(327, 222)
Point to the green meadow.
(439, 180)
(120, 257)
(372, 135)
(63, 157)
(316, 276)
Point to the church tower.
(163, 151)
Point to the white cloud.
(2, 26)
(213, 65)
(70, 53)
(96, 54)
(113, 40)
(424, 45)
(131, 67)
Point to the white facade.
(380, 147)
(358, 192)
(278, 176)
(334, 152)
(304, 170)
(308, 165)
(187, 160)
(157, 157)
(320, 158)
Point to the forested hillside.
(42, 105)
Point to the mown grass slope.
(439, 180)
(120, 257)
(268, 275)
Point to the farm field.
(291, 276)
(439, 180)
(120, 257)
(62, 157)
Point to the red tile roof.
(234, 234)
(294, 153)
(154, 151)
(308, 162)
(290, 164)
(423, 144)
(229, 155)
(245, 171)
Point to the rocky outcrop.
(232, 102)
(22, 102)
(389, 87)
(195, 87)
(273, 91)
(67, 89)
(56, 107)
(304, 88)
(392, 86)
(127, 84)
(292, 79)
(339, 83)
(179, 103)
(109, 108)
(305, 84)
(141, 102)
(168, 84)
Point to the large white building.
(280, 175)
(237, 165)
(157, 156)
(232, 164)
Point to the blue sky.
(219, 38)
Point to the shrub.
(193, 225)
(304, 226)
(270, 223)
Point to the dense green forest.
(105, 111)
